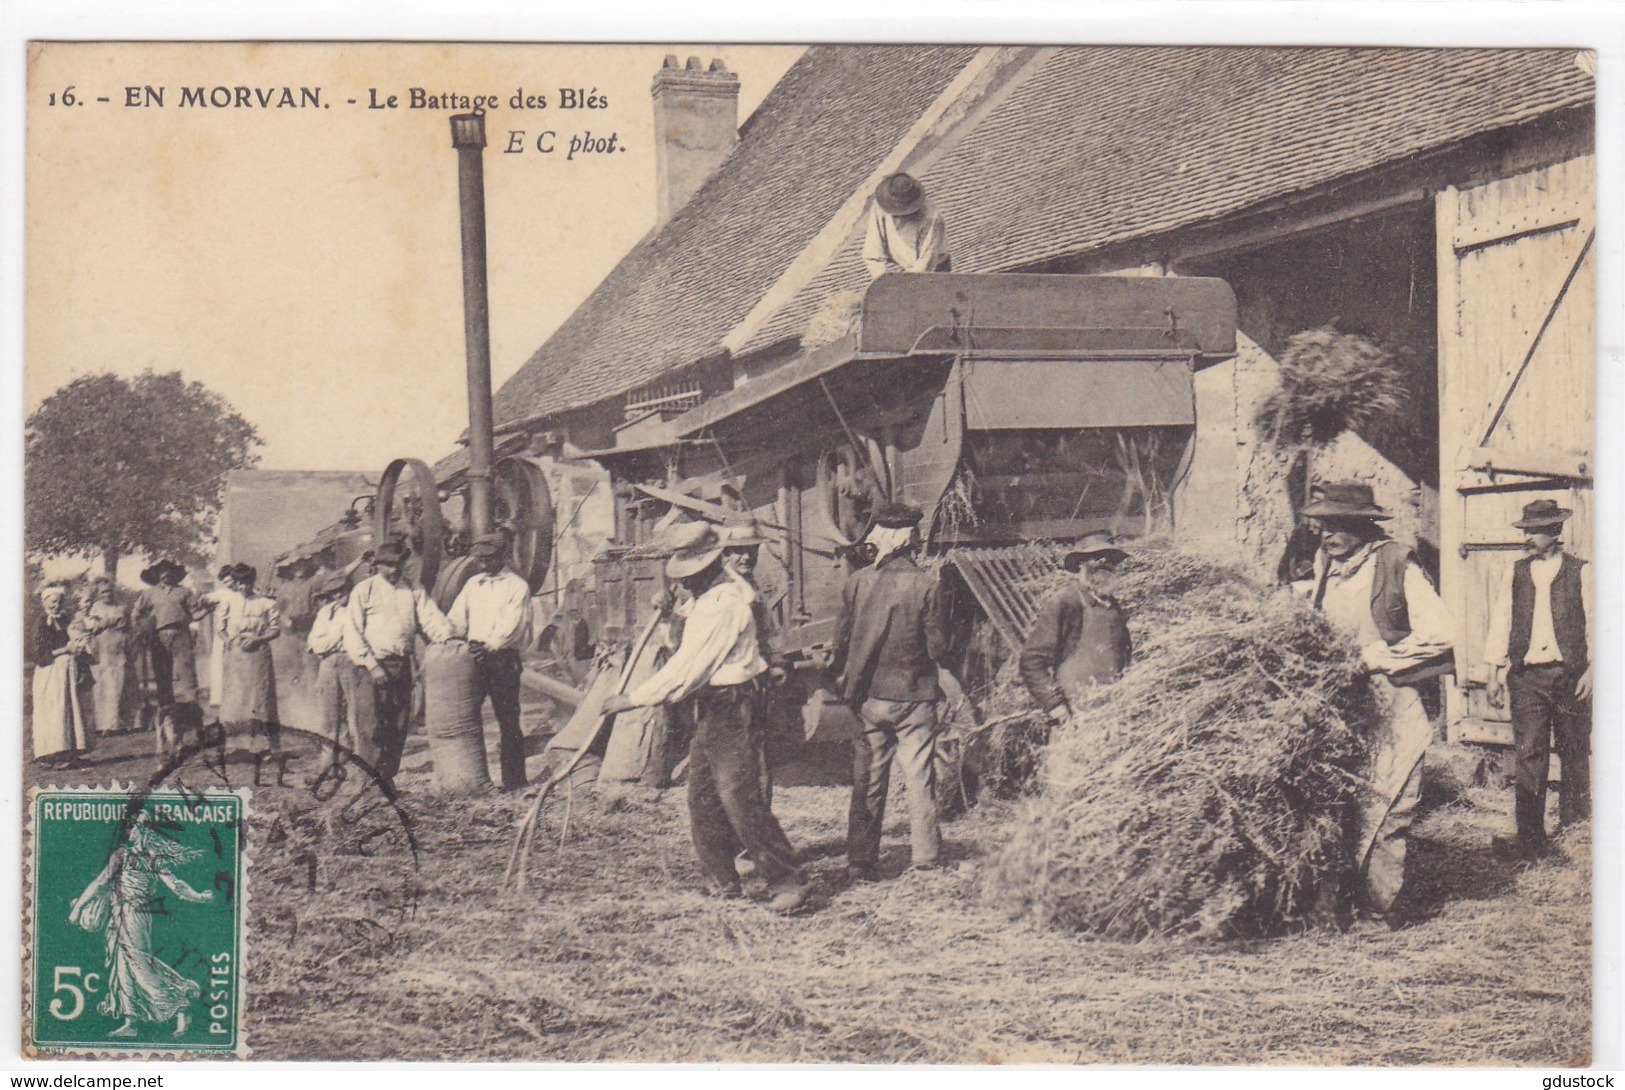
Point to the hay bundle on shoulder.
(1204, 793)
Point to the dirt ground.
(363, 948)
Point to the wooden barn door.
(1517, 305)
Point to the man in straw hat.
(889, 639)
(1373, 586)
(906, 232)
(1080, 637)
(492, 612)
(1538, 649)
(383, 620)
(719, 663)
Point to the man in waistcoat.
(1373, 587)
(1538, 649)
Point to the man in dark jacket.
(1080, 637)
(888, 641)
(1538, 650)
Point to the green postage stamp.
(136, 921)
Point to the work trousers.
(727, 814)
(1546, 715)
(908, 731)
(498, 673)
(1383, 878)
(382, 712)
(335, 701)
(174, 665)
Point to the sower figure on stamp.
(335, 680)
(719, 664)
(248, 707)
(1080, 637)
(1538, 649)
(492, 612)
(119, 903)
(889, 642)
(1373, 586)
(381, 626)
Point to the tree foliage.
(116, 466)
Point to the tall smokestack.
(468, 137)
(696, 126)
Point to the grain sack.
(451, 695)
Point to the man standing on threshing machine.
(382, 623)
(906, 232)
(492, 613)
(889, 639)
(1372, 585)
(719, 663)
(1539, 651)
(1080, 637)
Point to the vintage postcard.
(818, 553)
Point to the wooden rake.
(525, 836)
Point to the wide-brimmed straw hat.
(1539, 514)
(695, 546)
(1345, 500)
(741, 533)
(1098, 543)
(333, 583)
(899, 195)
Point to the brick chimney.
(696, 126)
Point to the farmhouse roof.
(681, 288)
(1088, 148)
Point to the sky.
(306, 263)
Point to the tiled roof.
(1104, 145)
(678, 292)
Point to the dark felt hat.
(899, 195)
(488, 545)
(391, 552)
(157, 571)
(898, 516)
(1540, 514)
(1098, 543)
(1345, 500)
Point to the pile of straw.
(1205, 793)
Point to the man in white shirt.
(492, 613)
(1372, 586)
(335, 683)
(906, 232)
(381, 625)
(719, 663)
(1538, 650)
